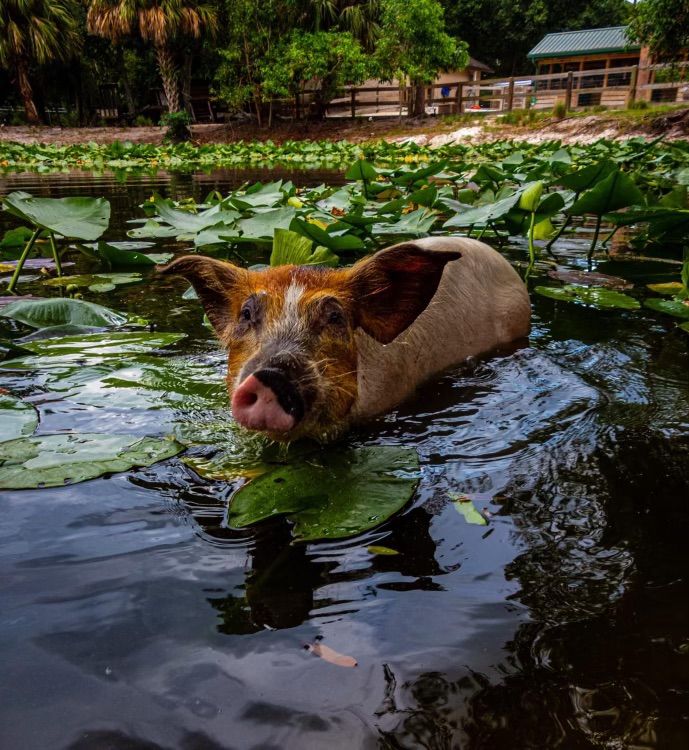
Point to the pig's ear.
(393, 287)
(215, 281)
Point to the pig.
(313, 350)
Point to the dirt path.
(431, 131)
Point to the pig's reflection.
(280, 589)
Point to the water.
(133, 618)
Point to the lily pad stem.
(22, 260)
(532, 247)
(56, 255)
(560, 231)
(592, 249)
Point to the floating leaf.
(590, 278)
(56, 460)
(672, 307)
(329, 654)
(669, 287)
(17, 417)
(336, 494)
(105, 344)
(262, 226)
(466, 507)
(96, 282)
(376, 549)
(59, 311)
(74, 218)
(593, 296)
(125, 254)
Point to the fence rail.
(574, 90)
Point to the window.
(593, 82)
(621, 79)
(589, 99)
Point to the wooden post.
(568, 92)
(352, 94)
(631, 96)
(460, 97)
(510, 95)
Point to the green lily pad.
(17, 418)
(56, 460)
(684, 327)
(124, 254)
(74, 218)
(101, 282)
(290, 248)
(593, 296)
(60, 311)
(332, 495)
(669, 287)
(377, 549)
(668, 306)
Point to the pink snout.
(256, 406)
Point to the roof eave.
(581, 53)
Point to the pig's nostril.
(250, 399)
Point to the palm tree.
(35, 31)
(157, 21)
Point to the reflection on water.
(134, 618)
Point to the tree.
(414, 45)
(162, 22)
(35, 31)
(328, 59)
(663, 25)
(501, 32)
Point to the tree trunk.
(26, 92)
(170, 76)
(419, 100)
(186, 80)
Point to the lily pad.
(593, 296)
(333, 495)
(101, 282)
(668, 306)
(669, 287)
(290, 248)
(75, 218)
(108, 343)
(17, 418)
(60, 311)
(590, 278)
(56, 460)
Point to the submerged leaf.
(333, 495)
(56, 460)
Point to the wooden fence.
(575, 90)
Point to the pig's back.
(480, 304)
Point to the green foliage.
(327, 59)
(414, 43)
(663, 25)
(177, 126)
(559, 110)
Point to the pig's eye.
(250, 314)
(335, 318)
(245, 314)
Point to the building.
(607, 52)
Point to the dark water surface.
(133, 618)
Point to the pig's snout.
(267, 400)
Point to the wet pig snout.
(268, 400)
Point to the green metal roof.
(584, 42)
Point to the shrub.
(141, 121)
(177, 124)
(559, 110)
(639, 104)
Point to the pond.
(134, 617)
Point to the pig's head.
(290, 330)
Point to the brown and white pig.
(313, 350)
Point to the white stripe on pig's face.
(289, 331)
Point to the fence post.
(352, 94)
(568, 93)
(631, 97)
(510, 95)
(460, 97)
